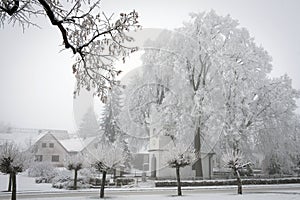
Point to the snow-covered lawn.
(25, 183)
(284, 192)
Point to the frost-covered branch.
(88, 33)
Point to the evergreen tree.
(112, 108)
(110, 125)
(89, 126)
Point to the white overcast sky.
(36, 81)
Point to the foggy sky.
(36, 81)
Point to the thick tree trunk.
(103, 184)
(178, 181)
(75, 179)
(14, 187)
(198, 163)
(9, 182)
(239, 182)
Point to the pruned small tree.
(5, 168)
(234, 160)
(107, 157)
(180, 157)
(179, 154)
(76, 163)
(12, 161)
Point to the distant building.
(49, 148)
(26, 137)
(48, 145)
(159, 146)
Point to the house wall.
(49, 154)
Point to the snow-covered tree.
(89, 126)
(110, 124)
(94, 38)
(13, 161)
(180, 155)
(228, 80)
(75, 162)
(178, 152)
(234, 160)
(278, 143)
(127, 154)
(107, 157)
(197, 46)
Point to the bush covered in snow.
(87, 173)
(64, 180)
(43, 171)
(68, 183)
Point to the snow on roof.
(76, 144)
(25, 138)
(73, 144)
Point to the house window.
(51, 145)
(55, 158)
(44, 145)
(38, 158)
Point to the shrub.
(228, 182)
(124, 181)
(43, 171)
(68, 183)
(64, 180)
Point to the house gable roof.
(51, 135)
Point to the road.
(267, 189)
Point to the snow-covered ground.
(217, 196)
(252, 192)
(25, 183)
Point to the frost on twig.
(95, 39)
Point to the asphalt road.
(156, 191)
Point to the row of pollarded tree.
(108, 156)
(13, 161)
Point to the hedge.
(227, 182)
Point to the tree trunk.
(75, 179)
(239, 182)
(14, 187)
(178, 181)
(103, 184)
(198, 163)
(9, 182)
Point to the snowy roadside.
(28, 185)
(211, 196)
